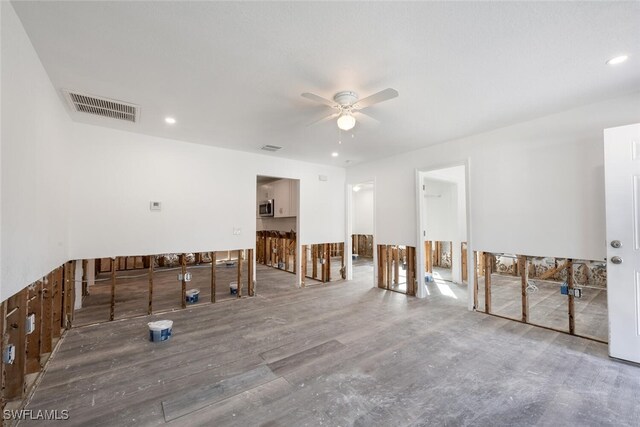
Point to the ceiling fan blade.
(316, 98)
(324, 119)
(366, 118)
(383, 95)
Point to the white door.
(622, 188)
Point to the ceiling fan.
(347, 105)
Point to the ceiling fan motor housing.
(346, 98)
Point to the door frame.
(420, 174)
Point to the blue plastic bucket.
(160, 330)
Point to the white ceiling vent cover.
(271, 148)
(102, 106)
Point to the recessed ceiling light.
(170, 120)
(334, 154)
(617, 60)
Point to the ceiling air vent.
(271, 148)
(102, 107)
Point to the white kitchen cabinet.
(281, 196)
(284, 193)
(293, 197)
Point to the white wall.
(441, 210)
(205, 192)
(536, 188)
(363, 211)
(34, 133)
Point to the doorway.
(443, 225)
(277, 240)
(361, 231)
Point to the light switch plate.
(155, 206)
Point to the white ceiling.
(232, 73)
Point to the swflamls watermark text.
(39, 414)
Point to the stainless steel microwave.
(266, 208)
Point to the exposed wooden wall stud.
(523, 268)
(183, 265)
(239, 279)
(150, 266)
(250, 283)
(487, 282)
(112, 309)
(571, 302)
(213, 276)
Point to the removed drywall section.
(35, 130)
(535, 187)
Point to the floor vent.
(102, 107)
(271, 148)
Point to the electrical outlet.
(30, 324)
(187, 277)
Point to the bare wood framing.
(294, 245)
(65, 293)
(314, 261)
(487, 282)
(523, 268)
(411, 271)
(112, 307)
(72, 294)
(328, 261)
(463, 263)
(47, 314)
(428, 256)
(343, 268)
(389, 268)
(3, 344)
(183, 265)
(475, 280)
(15, 319)
(303, 265)
(57, 302)
(150, 305)
(571, 302)
(239, 273)
(553, 271)
(286, 251)
(380, 269)
(213, 276)
(34, 338)
(85, 278)
(396, 265)
(250, 289)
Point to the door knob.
(616, 260)
(616, 244)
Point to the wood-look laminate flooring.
(339, 354)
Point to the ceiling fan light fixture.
(346, 121)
